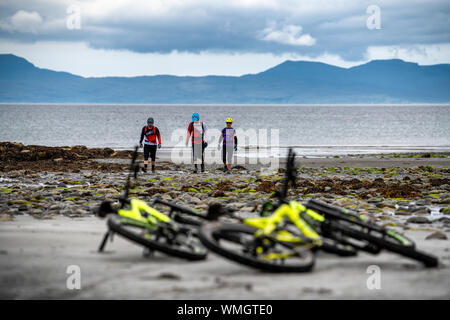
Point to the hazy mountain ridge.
(378, 81)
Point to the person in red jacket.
(152, 139)
(197, 130)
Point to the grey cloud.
(339, 29)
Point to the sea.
(312, 130)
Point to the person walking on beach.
(229, 145)
(197, 130)
(152, 136)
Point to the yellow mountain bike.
(284, 238)
(141, 223)
(282, 242)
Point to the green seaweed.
(75, 182)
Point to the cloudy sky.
(232, 37)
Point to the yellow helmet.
(229, 120)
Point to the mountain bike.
(280, 242)
(334, 230)
(171, 233)
(351, 225)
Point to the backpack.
(154, 133)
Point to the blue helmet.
(195, 116)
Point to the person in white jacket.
(197, 130)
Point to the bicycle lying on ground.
(173, 233)
(287, 234)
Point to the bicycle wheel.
(238, 243)
(388, 240)
(176, 243)
(187, 219)
(339, 248)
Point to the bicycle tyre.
(211, 233)
(408, 251)
(333, 246)
(120, 226)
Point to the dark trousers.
(227, 154)
(149, 150)
(198, 152)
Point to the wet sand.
(34, 257)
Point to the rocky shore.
(45, 182)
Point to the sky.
(95, 38)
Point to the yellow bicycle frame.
(267, 225)
(134, 214)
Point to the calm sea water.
(313, 130)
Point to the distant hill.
(378, 81)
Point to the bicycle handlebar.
(289, 176)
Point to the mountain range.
(291, 82)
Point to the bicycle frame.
(150, 218)
(268, 225)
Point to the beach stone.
(436, 235)
(106, 190)
(342, 203)
(12, 212)
(403, 212)
(445, 220)
(423, 202)
(385, 204)
(5, 217)
(387, 210)
(327, 189)
(195, 200)
(445, 210)
(23, 207)
(18, 201)
(185, 197)
(422, 211)
(66, 212)
(81, 212)
(445, 201)
(15, 173)
(202, 206)
(36, 211)
(418, 220)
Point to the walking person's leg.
(203, 158)
(196, 154)
(146, 154)
(229, 156)
(153, 157)
(224, 158)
